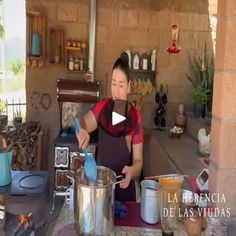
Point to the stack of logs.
(23, 140)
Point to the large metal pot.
(94, 202)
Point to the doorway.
(12, 60)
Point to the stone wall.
(223, 162)
(134, 24)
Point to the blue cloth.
(121, 210)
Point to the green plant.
(1, 31)
(2, 106)
(16, 66)
(200, 94)
(17, 113)
(57, 51)
(204, 76)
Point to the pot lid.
(26, 183)
(31, 181)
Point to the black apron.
(113, 153)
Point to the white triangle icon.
(117, 118)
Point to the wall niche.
(35, 39)
(57, 45)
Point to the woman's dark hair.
(122, 63)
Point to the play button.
(117, 118)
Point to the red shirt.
(137, 134)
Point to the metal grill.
(15, 108)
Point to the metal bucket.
(149, 210)
(94, 202)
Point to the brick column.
(223, 133)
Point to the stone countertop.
(183, 154)
(66, 217)
(182, 151)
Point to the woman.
(120, 146)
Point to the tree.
(1, 27)
(17, 66)
(1, 31)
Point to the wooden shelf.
(35, 24)
(33, 62)
(74, 49)
(57, 45)
(76, 52)
(143, 71)
(140, 85)
(35, 58)
(143, 81)
(76, 71)
(32, 13)
(144, 75)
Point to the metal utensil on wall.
(161, 100)
(160, 110)
(158, 93)
(164, 94)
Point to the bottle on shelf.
(76, 64)
(81, 64)
(136, 62)
(71, 63)
(128, 52)
(153, 60)
(144, 62)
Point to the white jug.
(149, 211)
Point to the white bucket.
(150, 211)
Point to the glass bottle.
(71, 63)
(76, 64)
(81, 63)
(153, 60)
(193, 221)
(214, 226)
(170, 194)
(136, 62)
(144, 61)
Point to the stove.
(75, 98)
(26, 197)
(68, 156)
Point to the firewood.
(24, 142)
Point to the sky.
(14, 19)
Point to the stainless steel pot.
(94, 202)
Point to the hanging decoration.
(174, 36)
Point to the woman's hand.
(88, 124)
(83, 138)
(128, 172)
